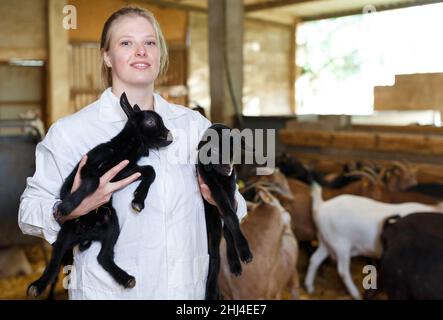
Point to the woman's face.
(133, 52)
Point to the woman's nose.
(140, 51)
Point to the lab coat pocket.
(102, 285)
(189, 277)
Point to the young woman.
(165, 246)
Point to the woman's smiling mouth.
(140, 65)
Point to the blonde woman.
(164, 246)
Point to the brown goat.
(274, 268)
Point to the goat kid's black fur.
(144, 130)
(221, 180)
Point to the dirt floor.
(328, 285)
(14, 288)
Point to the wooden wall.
(23, 28)
(411, 92)
(91, 15)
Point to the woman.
(165, 246)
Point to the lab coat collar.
(110, 110)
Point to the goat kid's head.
(221, 147)
(148, 123)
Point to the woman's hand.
(204, 189)
(104, 191)
(206, 193)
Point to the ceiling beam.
(176, 5)
(274, 4)
(378, 8)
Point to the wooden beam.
(406, 143)
(58, 74)
(292, 66)
(379, 8)
(176, 5)
(225, 38)
(274, 4)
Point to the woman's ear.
(107, 59)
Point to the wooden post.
(58, 76)
(225, 31)
(293, 70)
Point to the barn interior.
(342, 89)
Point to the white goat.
(350, 226)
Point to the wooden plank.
(354, 140)
(306, 138)
(400, 129)
(273, 4)
(386, 142)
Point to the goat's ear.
(137, 108)
(126, 106)
(265, 195)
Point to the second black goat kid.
(215, 166)
(144, 130)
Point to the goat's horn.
(401, 165)
(370, 171)
(364, 174)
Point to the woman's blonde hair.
(106, 38)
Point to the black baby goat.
(144, 130)
(215, 166)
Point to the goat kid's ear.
(136, 108)
(126, 106)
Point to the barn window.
(341, 60)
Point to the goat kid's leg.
(140, 194)
(63, 243)
(213, 227)
(231, 221)
(231, 253)
(316, 260)
(106, 254)
(344, 270)
(147, 178)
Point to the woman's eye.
(150, 43)
(125, 43)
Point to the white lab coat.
(165, 245)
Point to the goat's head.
(399, 176)
(148, 123)
(219, 146)
(274, 182)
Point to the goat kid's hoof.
(235, 270)
(130, 283)
(137, 206)
(248, 258)
(33, 291)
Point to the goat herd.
(362, 210)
